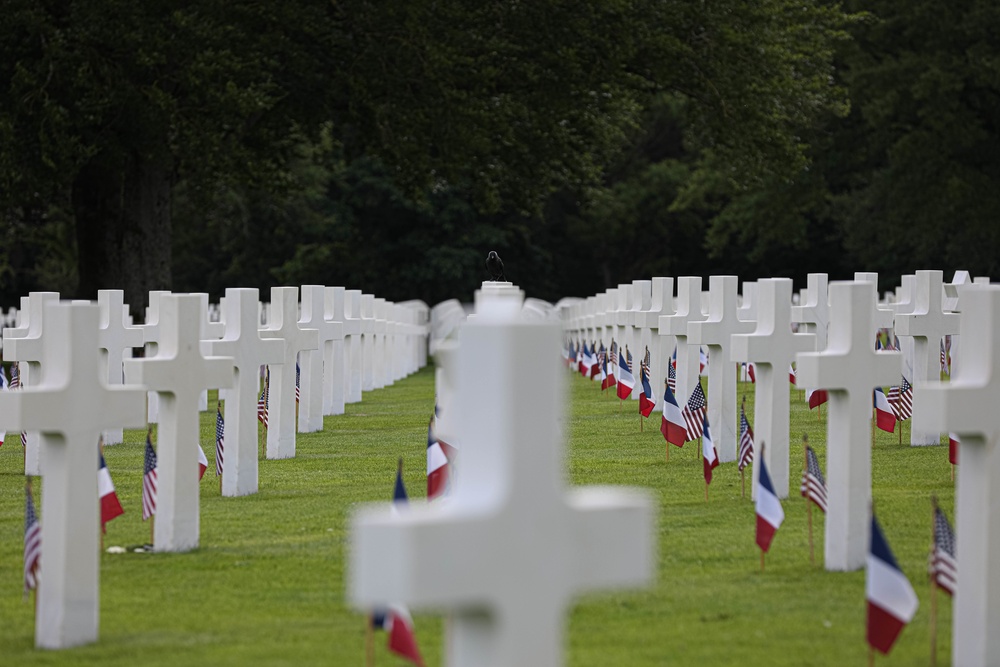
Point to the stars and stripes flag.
(628, 356)
(672, 424)
(672, 373)
(263, 399)
(943, 565)
(395, 619)
(901, 400)
(149, 481)
(220, 431)
(647, 401)
(625, 380)
(709, 457)
(813, 485)
(746, 439)
(111, 507)
(32, 542)
(770, 515)
(613, 353)
(885, 418)
(891, 600)
(298, 378)
(15, 383)
(3, 385)
(694, 413)
(945, 357)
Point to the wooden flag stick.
(934, 587)
(641, 420)
(743, 484)
(809, 512)
(761, 560)
(668, 452)
(152, 521)
(370, 644)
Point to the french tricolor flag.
(111, 507)
(583, 364)
(769, 512)
(791, 373)
(891, 600)
(885, 418)
(395, 620)
(816, 397)
(625, 380)
(672, 425)
(437, 466)
(709, 458)
(202, 462)
(646, 399)
(607, 379)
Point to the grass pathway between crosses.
(267, 585)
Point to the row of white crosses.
(71, 353)
(512, 546)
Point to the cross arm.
(59, 411)
(953, 407)
(615, 537)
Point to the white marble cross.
(243, 344)
(814, 313)
(367, 350)
(904, 305)
(114, 338)
(29, 348)
(151, 332)
(281, 410)
(748, 303)
(209, 331)
(967, 405)
(178, 373)
(70, 404)
(716, 333)
(849, 369)
(772, 348)
(882, 317)
(676, 326)
(661, 347)
(334, 352)
(927, 325)
(311, 361)
(354, 362)
(512, 547)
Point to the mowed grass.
(267, 585)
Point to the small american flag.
(149, 481)
(944, 355)
(813, 485)
(15, 383)
(628, 359)
(943, 566)
(32, 542)
(904, 408)
(694, 413)
(646, 359)
(671, 375)
(262, 400)
(220, 429)
(746, 439)
(613, 354)
(298, 377)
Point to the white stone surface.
(352, 330)
(688, 309)
(716, 334)
(70, 404)
(29, 348)
(178, 373)
(967, 406)
(151, 332)
(772, 348)
(849, 369)
(281, 409)
(926, 325)
(115, 337)
(313, 316)
(242, 343)
(335, 358)
(512, 547)
(813, 312)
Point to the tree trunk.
(122, 210)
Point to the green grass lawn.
(267, 584)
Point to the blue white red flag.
(625, 380)
(769, 511)
(891, 600)
(885, 418)
(646, 399)
(709, 457)
(111, 507)
(437, 466)
(672, 425)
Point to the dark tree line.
(389, 146)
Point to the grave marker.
(335, 358)
(178, 373)
(676, 326)
(849, 369)
(115, 337)
(70, 405)
(512, 547)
